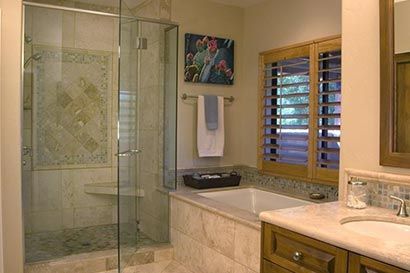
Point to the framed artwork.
(208, 59)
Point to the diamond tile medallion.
(71, 108)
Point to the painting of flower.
(208, 59)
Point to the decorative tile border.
(381, 186)
(251, 176)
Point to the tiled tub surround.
(252, 177)
(323, 222)
(207, 242)
(212, 237)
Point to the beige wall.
(10, 136)
(360, 65)
(274, 24)
(1, 220)
(208, 18)
(254, 30)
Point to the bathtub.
(254, 200)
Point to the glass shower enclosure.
(99, 130)
(147, 134)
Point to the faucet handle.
(402, 212)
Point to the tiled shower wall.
(69, 119)
(54, 196)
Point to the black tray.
(203, 183)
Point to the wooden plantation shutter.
(328, 91)
(285, 111)
(299, 111)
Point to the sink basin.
(399, 233)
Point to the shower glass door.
(146, 133)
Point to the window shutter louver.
(299, 111)
(286, 109)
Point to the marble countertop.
(323, 222)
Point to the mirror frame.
(387, 90)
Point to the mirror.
(401, 142)
(395, 83)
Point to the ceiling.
(239, 3)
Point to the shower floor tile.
(50, 245)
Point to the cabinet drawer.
(268, 267)
(299, 253)
(358, 264)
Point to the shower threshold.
(50, 245)
(106, 261)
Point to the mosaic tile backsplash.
(71, 107)
(251, 176)
(379, 194)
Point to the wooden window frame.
(310, 172)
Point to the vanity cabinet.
(285, 251)
(298, 253)
(361, 264)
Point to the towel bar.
(185, 96)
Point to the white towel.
(210, 143)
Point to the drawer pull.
(297, 256)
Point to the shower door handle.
(128, 153)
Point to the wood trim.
(297, 171)
(358, 264)
(387, 90)
(304, 179)
(325, 174)
(331, 175)
(288, 53)
(313, 108)
(319, 40)
(321, 252)
(329, 45)
(261, 114)
(268, 267)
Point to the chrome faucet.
(402, 212)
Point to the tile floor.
(56, 244)
(170, 266)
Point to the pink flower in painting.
(212, 46)
(222, 65)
